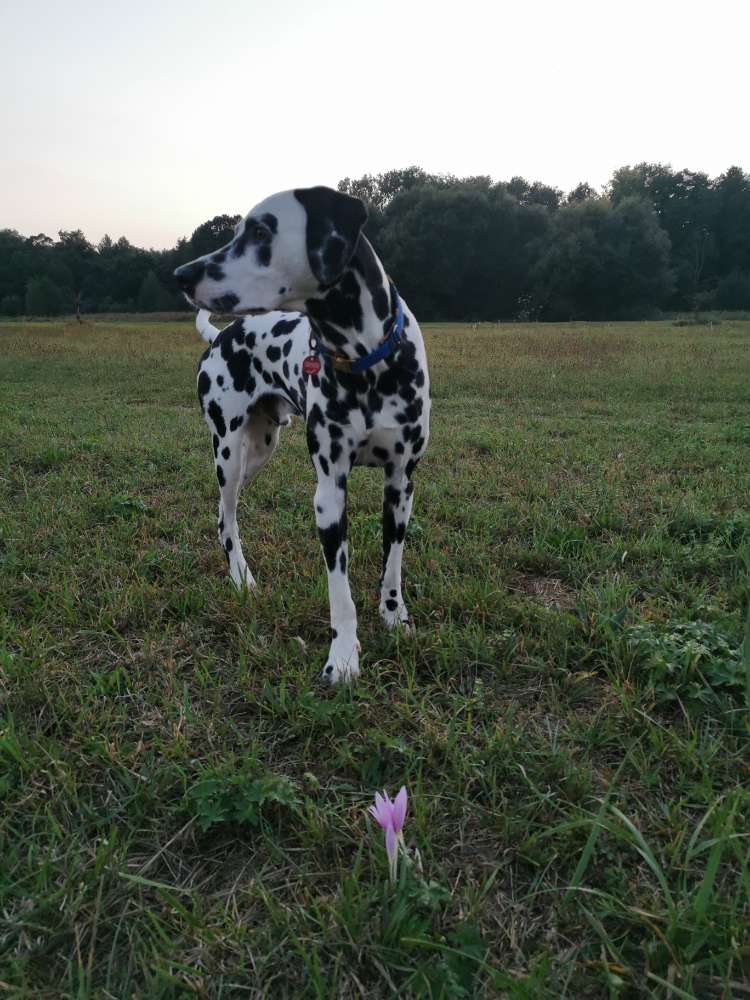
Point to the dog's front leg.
(397, 503)
(330, 515)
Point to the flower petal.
(381, 811)
(399, 809)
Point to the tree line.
(466, 248)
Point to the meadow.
(183, 802)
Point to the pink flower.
(390, 816)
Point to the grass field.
(184, 806)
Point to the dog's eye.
(261, 234)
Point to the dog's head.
(286, 249)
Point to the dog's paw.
(342, 668)
(243, 580)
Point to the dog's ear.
(334, 222)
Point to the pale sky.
(145, 119)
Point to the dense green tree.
(463, 251)
(732, 222)
(461, 248)
(685, 204)
(213, 234)
(603, 261)
(151, 296)
(378, 190)
(75, 264)
(11, 305)
(733, 291)
(582, 192)
(44, 298)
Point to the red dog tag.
(311, 364)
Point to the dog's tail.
(204, 326)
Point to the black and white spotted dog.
(344, 352)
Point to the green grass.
(184, 806)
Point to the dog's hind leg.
(239, 458)
(397, 503)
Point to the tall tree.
(211, 235)
(603, 261)
(77, 256)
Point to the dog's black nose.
(189, 275)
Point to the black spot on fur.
(225, 453)
(273, 353)
(284, 326)
(340, 307)
(391, 605)
(204, 385)
(220, 380)
(331, 539)
(366, 263)
(214, 272)
(225, 303)
(228, 545)
(389, 531)
(240, 243)
(235, 422)
(215, 413)
(314, 420)
(220, 475)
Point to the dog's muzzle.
(189, 275)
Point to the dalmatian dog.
(322, 334)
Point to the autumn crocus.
(390, 816)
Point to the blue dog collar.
(387, 346)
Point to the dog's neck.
(352, 316)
